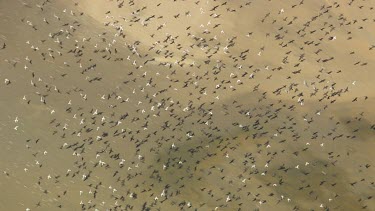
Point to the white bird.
(6, 81)
(228, 199)
(122, 162)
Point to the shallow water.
(195, 105)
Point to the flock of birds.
(188, 105)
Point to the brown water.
(221, 82)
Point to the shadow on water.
(200, 161)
